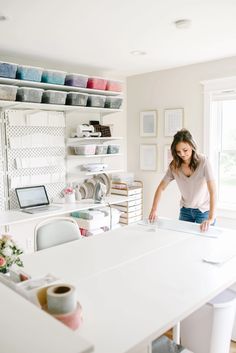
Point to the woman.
(195, 180)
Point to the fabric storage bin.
(85, 149)
(8, 92)
(96, 101)
(97, 83)
(28, 94)
(54, 76)
(54, 97)
(101, 149)
(111, 149)
(114, 86)
(164, 345)
(76, 98)
(29, 73)
(113, 102)
(76, 80)
(7, 69)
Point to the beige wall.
(159, 90)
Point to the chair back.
(55, 231)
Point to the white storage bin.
(85, 149)
(101, 149)
(8, 92)
(29, 94)
(209, 329)
(54, 97)
(164, 345)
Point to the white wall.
(159, 90)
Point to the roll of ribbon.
(73, 320)
(61, 299)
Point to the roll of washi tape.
(73, 320)
(61, 299)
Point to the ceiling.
(100, 34)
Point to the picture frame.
(167, 157)
(148, 123)
(148, 157)
(173, 121)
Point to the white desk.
(138, 284)
(11, 217)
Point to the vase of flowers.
(9, 253)
(69, 195)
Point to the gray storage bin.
(28, 94)
(8, 70)
(54, 97)
(76, 98)
(164, 345)
(8, 92)
(76, 80)
(101, 149)
(96, 101)
(29, 73)
(111, 149)
(113, 102)
(54, 77)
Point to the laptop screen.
(32, 196)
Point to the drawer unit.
(131, 210)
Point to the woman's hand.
(204, 226)
(152, 216)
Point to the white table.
(134, 284)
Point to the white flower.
(7, 251)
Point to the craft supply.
(61, 299)
(73, 320)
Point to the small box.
(8, 92)
(97, 83)
(29, 73)
(29, 94)
(76, 80)
(54, 77)
(113, 102)
(96, 101)
(85, 149)
(8, 70)
(54, 97)
(115, 86)
(112, 149)
(76, 98)
(101, 149)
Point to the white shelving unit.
(107, 171)
(77, 156)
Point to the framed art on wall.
(148, 157)
(148, 123)
(174, 120)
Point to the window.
(220, 137)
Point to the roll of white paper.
(61, 299)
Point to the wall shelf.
(75, 141)
(24, 83)
(81, 173)
(94, 155)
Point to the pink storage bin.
(97, 83)
(115, 86)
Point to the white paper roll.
(61, 299)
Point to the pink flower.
(2, 261)
(68, 190)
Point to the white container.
(209, 329)
(85, 149)
(70, 198)
(101, 149)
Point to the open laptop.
(34, 199)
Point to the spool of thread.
(61, 299)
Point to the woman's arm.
(212, 192)
(161, 187)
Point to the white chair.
(55, 231)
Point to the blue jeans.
(193, 215)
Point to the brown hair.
(184, 136)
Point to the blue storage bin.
(8, 70)
(54, 76)
(29, 73)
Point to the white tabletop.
(17, 216)
(136, 283)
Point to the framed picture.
(148, 123)
(148, 157)
(173, 121)
(167, 158)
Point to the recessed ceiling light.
(182, 23)
(3, 18)
(138, 52)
